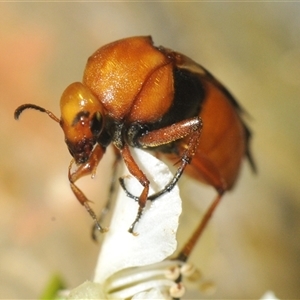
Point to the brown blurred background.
(253, 242)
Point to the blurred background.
(252, 244)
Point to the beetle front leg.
(86, 169)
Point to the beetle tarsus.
(128, 194)
(94, 217)
(139, 215)
(167, 188)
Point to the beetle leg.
(111, 191)
(112, 186)
(188, 247)
(188, 128)
(141, 177)
(86, 169)
(203, 166)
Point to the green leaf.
(54, 285)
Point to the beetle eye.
(97, 124)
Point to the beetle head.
(81, 120)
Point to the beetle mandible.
(134, 94)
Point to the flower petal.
(269, 295)
(151, 294)
(87, 290)
(156, 229)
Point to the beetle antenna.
(21, 108)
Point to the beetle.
(134, 94)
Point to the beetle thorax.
(132, 79)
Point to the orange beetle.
(134, 94)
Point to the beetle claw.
(94, 217)
(131, 230)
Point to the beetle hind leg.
(190, 244)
